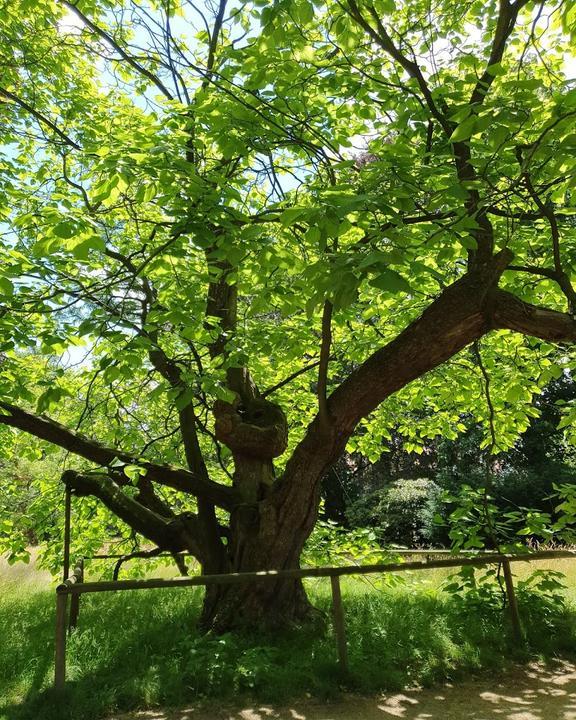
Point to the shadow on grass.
(140, 650)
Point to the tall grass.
(141, 649)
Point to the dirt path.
(535, 692)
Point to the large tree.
(181, 192)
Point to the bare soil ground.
(534, 692)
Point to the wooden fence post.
(75, 599)
(512, 601)
(339, 625)
(67, 522)
(60, 655)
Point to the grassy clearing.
(433, 578)
(140, 649)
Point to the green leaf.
(184, 399)
(391, 281)
(496, 69)
(305, 11)
(65, 229)
(290, 216)
(82, 249)
(49, 399)
(134, 472)
(464, 130)
(6, 286)
(514, 393)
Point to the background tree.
(400, 495)
(179, 194)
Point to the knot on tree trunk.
(254, 428)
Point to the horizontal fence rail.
(75, 586)
(72, 586)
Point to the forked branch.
(57, 434)
(173, 534)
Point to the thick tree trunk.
(262, 538)
(269, 527)
(261, 606)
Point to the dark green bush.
(402, 512)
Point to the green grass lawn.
(141, 649)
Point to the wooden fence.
(74, 586)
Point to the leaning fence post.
(60, 655)
(512, 601)
(339, 625)
(75, 599)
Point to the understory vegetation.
(141, 649)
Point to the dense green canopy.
(254, 202)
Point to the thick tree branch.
(221, 304)
(213, 44)
(186, 415)
(462, 314)
(174, 534)
(456, 318)
(507, 15)
(459, 316)
(141, 519)
(55, 433)
(512, 313)
(213, 559)
(324, 360)
(147, 497)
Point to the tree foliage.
(183, 201)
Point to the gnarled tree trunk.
(268, 528)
